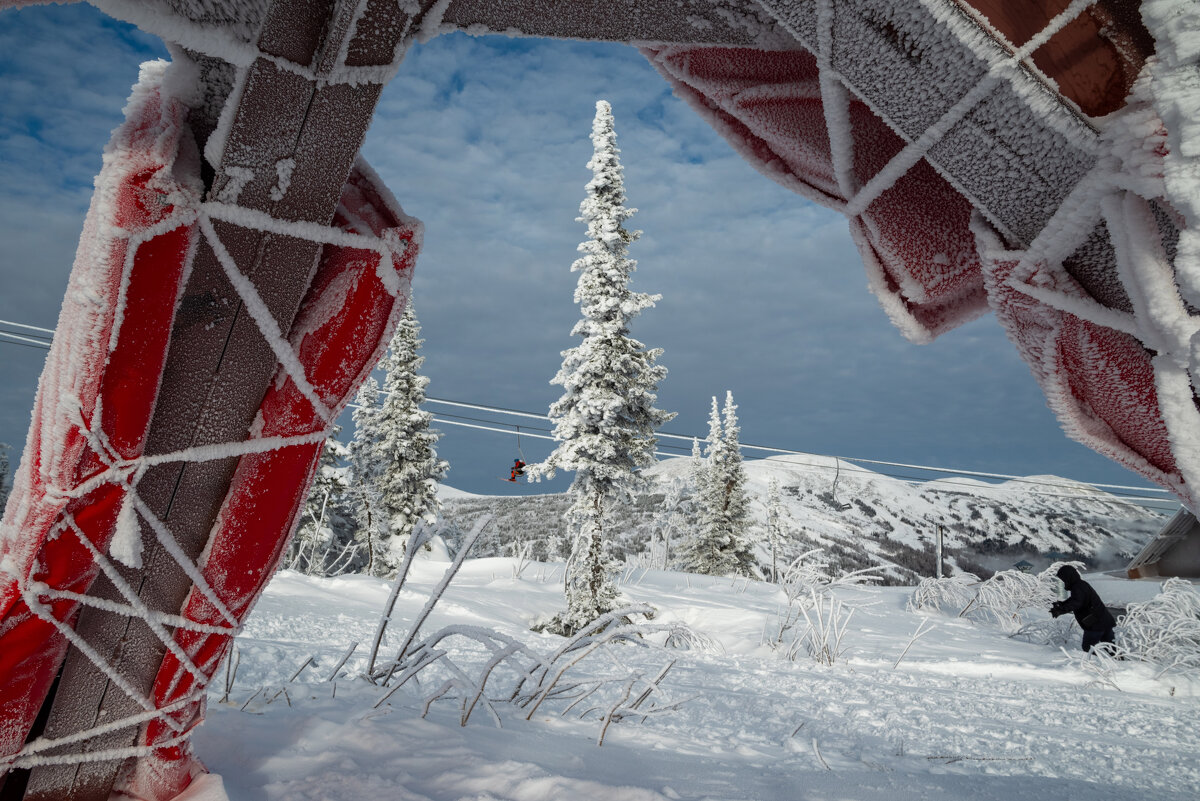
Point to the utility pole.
(940, 529)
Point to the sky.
(486, 141)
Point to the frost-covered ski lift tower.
(244, 268)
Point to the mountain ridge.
(858, 517)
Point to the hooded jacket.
(1090, 612)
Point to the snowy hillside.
(964, 713)
(867, 519)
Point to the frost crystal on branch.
(605, 419)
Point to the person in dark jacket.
(1090, 612)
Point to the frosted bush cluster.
(809, 576)
(1165, 630)
(526, 681)
(1002, 600)
(807, 583)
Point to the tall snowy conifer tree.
(365, 470)
(410, 469)
(720, 545)
(605, 419)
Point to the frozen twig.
(820, 758)
(436, 595)
(952, 758)
(251, 698)
(232, 662)
(919, 632)
(342, 662)
(612, 713)
(653, 685)
(415, 541)
(826, 629)
(303, 665)
(423, 660)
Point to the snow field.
(967, 713)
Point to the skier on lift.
(518, 469)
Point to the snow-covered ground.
(967, 714)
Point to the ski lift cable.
(509, 431)
(495, 422)
(478, 407)
(945, 484)
(28, 342)
(787, 452)
(487, 428)
(28, 327)
(22, 338)
(781, 451)
(24, 342)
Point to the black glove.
(1056, 609)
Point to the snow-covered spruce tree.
(697, 465)
(605, 419)
(365, 469)
(676, 509)
(776, 527)
(317, 549)
(410, 469)
(720, 545)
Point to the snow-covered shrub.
(947, 594)
(774, 526)
(365, 469)
(1006, 595)
(324, 543)
(527, 682)
(806, 583)
(827, 619)
(670, 518)
(1059, 632)
(1165, 630)
(1003, 600)
(685, 638)
(810, 575)
(415, 543)
(1101, 664)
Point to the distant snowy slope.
(865, 519)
